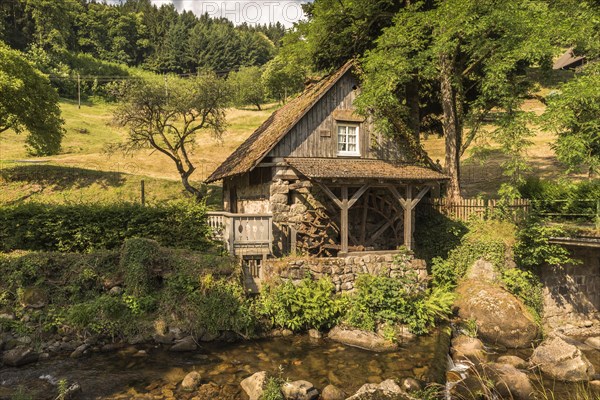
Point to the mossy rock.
(33, 297)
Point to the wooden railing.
(479, 208)
(243, 234)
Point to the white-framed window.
(347, 136)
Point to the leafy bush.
(380, 300)
(486, 240)
(526, 286)
(137, 264)
(88, 227)
(533, 248)
(76, 288)
(447, 272)
(563, 199)
(272, 390)
(104, 315)
(206, 304)
(309, 304)
(435, 234)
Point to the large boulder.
(19, 356)
(562, 361)
(331, 392)
(362, 339)
(186, 344)
(299, 390)
(191, 381)
(515, 361)
(254, 385)
(490, 381)
(483, 270)
(469, 348)
(593, 342)
(33, 297)
(501, 317)
(386, 390)
(510, 382)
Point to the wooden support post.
(293, 240)
(344, 204)
(78, 91)
(408, 205)
(408, 220)
(143, 192)
(344, 220)
(363, 226)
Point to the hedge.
(89, 227)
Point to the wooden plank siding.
(306, 140)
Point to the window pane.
(351, 147)
(341, 147)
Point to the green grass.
(85, 172)
(60, 184)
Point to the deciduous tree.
(169, 118)
(28, 103)
(573, 114)
(468, 57)
(248, 87)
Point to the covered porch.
(370, 203)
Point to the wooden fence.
(480, 208)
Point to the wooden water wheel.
(376, 214)
(317, 234)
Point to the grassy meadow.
(85, 172)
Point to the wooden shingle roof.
(336, 168)
(258, 145)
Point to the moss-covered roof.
(258, 145)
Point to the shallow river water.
(104, 376)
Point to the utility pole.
(78, 91)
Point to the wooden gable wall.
(315, 135)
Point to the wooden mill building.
(317, 178)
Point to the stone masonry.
(343, 271)
(572, 292)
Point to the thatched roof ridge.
(247, 156)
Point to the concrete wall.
(572, 292)
(343, 271)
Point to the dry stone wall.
(343, 271)
(572, 292)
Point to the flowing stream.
(127, 373)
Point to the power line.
(109, 78)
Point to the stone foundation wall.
(289, 203)
(343, 271)
(572, 292)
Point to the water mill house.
(317, 179)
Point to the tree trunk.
(412, 101)
(188, 186)
(258, 105)
(450, 125)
